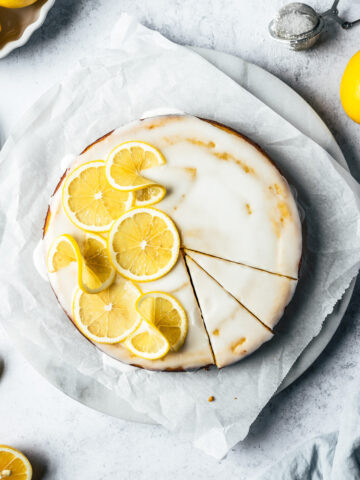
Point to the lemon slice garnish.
(126, 162)
(147, 342)
(149, 195)
(62, 252)
(14, 464)
(95, 272)
(143, 244)
(89, 200)
(109, 316)
(166, 314)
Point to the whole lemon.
(350, 88)
(16, 3)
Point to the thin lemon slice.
(149, 195)
(147, 342)
(95, 271)
(89, 200)
(14, 464)
(62, 252)
(109, 316)
(143, 244)
(126, 162)
(166, 314)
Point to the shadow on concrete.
(1, 368)
(38, 462)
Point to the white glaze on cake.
(214, 178)
(227, 200)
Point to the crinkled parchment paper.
(146, 71)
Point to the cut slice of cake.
(264, 294)
(233, 331)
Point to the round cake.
(195, 224)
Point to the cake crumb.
(211, 398)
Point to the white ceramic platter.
(29, 30)
(291, 106)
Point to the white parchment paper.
(143, 71)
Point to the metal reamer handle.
(333, 13)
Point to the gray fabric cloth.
(332, 456)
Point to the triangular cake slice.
(196, 351)
(264, 294)
(233, 331)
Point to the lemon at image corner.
(350, 88)
(14, 464)
(16, 3)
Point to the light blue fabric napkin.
(332, 456)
